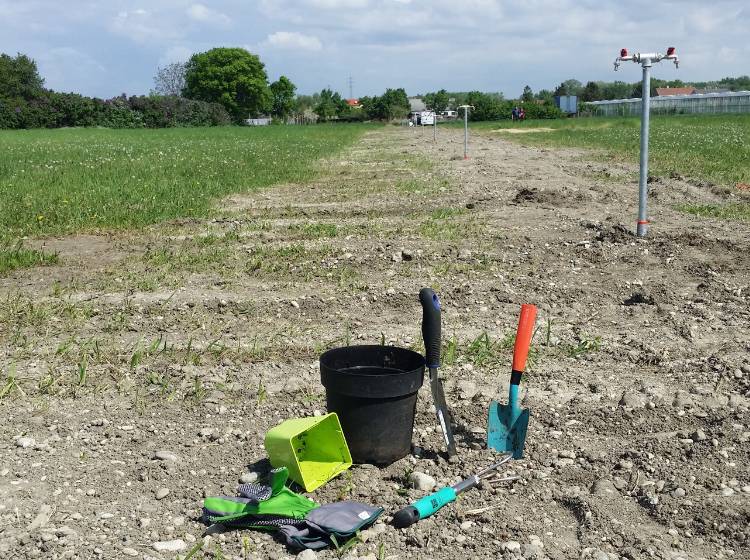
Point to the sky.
(111, 47)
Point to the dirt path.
(195, 337)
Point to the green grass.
(64, 181)
(14, 255)
(733, 211)
(714, 148)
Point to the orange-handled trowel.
(507, 424)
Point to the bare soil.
(197, 336)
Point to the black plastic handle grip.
(405, 517)
(430, 326)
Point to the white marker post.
(466, 128)
(645, 60)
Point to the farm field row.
(713, 148)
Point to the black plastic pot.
(373, 389)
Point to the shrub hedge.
(55, 110)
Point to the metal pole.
(642, 224)
(466, 133)
(434, 126)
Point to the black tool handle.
(430, 326)
(405, 517)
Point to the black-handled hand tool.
(431, 335)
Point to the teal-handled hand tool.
(428, 505)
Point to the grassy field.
(65, 181)
(714, 148)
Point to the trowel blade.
(501, 435)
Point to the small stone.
(129, 551)
(460, 538)
(699, 435)
(631, 399)
(532, 550)
(167, 456)
(422, 481)
(249, 478)
(567, 454)
(625, 465)
(162, 493)
(467, 388)
(512, 546)
(679, 492)
(175, 545)
(620, 483)
(307, 554)
(396, 257)
(604, 487)
(726, 492)
(682, 399)
(746, 489)
(466, 525)
(144, 522)
(25, 442)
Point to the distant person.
(514, 114)
(521, 114)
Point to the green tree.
(283, 100)
(545, 95)
(19, 77)
(569, 87)
(527, 95)
(393, 104)
(592, 92)
(437, 101)
(231, 76)
(487, 107)
(329, 105)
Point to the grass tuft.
(14, 256)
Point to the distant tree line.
(492, 106)
(217, 87)
(599, 90)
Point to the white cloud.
(177, 53)
(204, 14)
(67, 69)
(337, 4)
(144, 26)
(294, 40)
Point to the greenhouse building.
(726, 102)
